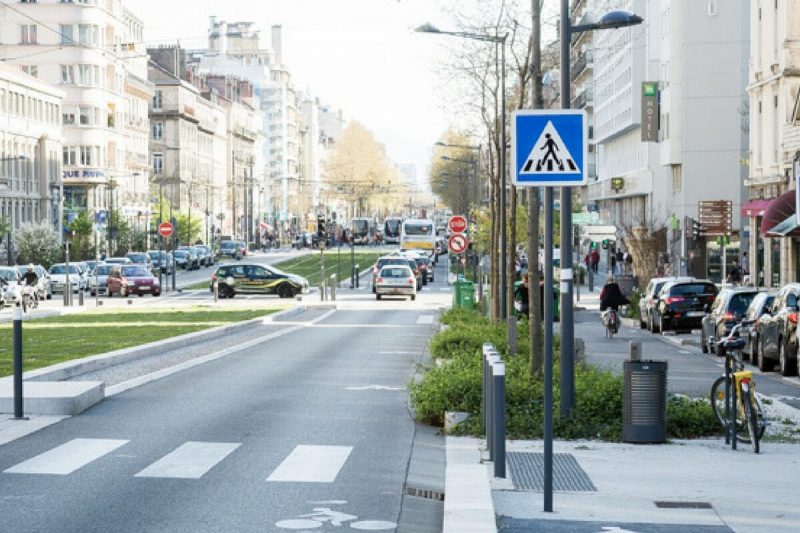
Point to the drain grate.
(425, 493)
(683, 505)
(527, 472)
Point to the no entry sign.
(165, 229)
(457, 224)
(458, 243)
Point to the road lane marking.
(68, 457)
(190, 460)
(375, 387)
(425, 319)
(312, 464)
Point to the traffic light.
(697, 229)
(321, 226)
(605, 244)
(593, 246)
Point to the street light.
(501, 40)
(467, 146)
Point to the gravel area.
(133, 369)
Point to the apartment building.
(93, 51)
(30, 150)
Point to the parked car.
(162, 260)
(140, 258)
(384, 261)
(230, 249)
(209, 253)
(751, 327)
(91, 265)
(241, 278)
(132, 279)
(196, 257)
(186, 260)
(10, 291)
(778, 331)
(58, 277)
(649, 299)
(683, 304)
(396, 280)
(98, 281)
(727, 310)
(118, 261)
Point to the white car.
(58, 277)
(396, 280)
(9, 287)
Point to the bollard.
(487, 350)
(591, 280)
(333, 287)
(215, 287)
(358, 282)
(66, 295)
(499, 404)
(80, 297)
(635, 351)
(493, 359)
(17, 342)
(322, 290)
(512, 336)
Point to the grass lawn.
(308, 266)
(54, 340)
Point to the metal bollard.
(215, 287)
(493, 359)
(635, 351)
(17, 342)
(512, 336)
(322, 290)
(487, 350)
(80, 297)
(499, 404)
(332, 283)
(358, 281)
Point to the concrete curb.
(630, 322)
(677, 341)
(92, 363)
(468, 504)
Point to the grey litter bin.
(645, 402)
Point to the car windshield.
(181, 253)
(8, 274)
(395, 272)
(390, 261)
(739, 302)
(418, 229)
(693, 289)
(138, 258)
(135, 272)
(62, 269)
(103, 270)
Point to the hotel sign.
(650, 111)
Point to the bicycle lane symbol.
(325, 515)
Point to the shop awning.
(755, 208)
(787, 228)
(778, 210)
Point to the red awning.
(778, 210)
(755, 208)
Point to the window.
(67, 36)
(87, 34)
(86, 115)
(28, 34)
(88, 74)
(158, 163)
(158, 130)
(68, 74)
(70, 156)
(158, 99)
(68, 119)
(86, 155)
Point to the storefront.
(780, 232)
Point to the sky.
(360, 56)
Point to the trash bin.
(626, 283)
(644, 402)
(464, 295)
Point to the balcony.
(584, 100)
(578, 37)
(580, 65)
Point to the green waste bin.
(464, 294)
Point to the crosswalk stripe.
(312, 464)
(190, 460)
(68, 457)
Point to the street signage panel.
(458, 243)
(586, 218)
(715, 216)
(549, 148)
(650, 111)
(165, 229)
(457, 224)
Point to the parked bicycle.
(733, 396)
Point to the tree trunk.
(535, 331)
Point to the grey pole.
(548, 349)
(499, 404)
(17, 342)
(567, 317)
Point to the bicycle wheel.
(751, 419)
(718, 407)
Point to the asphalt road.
(314, 422)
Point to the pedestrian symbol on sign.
(549, 154)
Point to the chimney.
(277, 43)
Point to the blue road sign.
(549, 147)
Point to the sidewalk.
(702, 486)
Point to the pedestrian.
(613, 264)
(746, 264)
(628, 263)
(595, 260)
(735, 275)
(521, 302)
(620, 260)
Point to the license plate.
(695, 313)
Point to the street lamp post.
(613, 19)
(498, 40)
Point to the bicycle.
(610, 321)
(325, 515)
(740, 395)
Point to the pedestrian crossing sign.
(549, 147)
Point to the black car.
(683, 304)
(230, 249)
(727, 310)
(778, 331)
(751, 327)
(256, 279)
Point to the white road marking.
(396, 352)
(375, 387)
(425, 319)
(312, 464)
(68, 457)
(190, 460)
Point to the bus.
(418, 233)
(362, 230)
(391, 230)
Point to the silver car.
(98, 281)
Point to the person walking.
(521, 294)
(595, 260)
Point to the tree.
(37, 243)
(457, 180)
(5, 237)
(188, 228)
(80, 232)
(357, 168)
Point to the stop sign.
(165, 229)
(457, 224)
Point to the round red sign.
(457, 243)
(457, 224)
(165, 229)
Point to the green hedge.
(454, 384)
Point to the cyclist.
(30, 279)
(611, 298)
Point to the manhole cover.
(527, 472)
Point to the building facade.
(30, 150)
